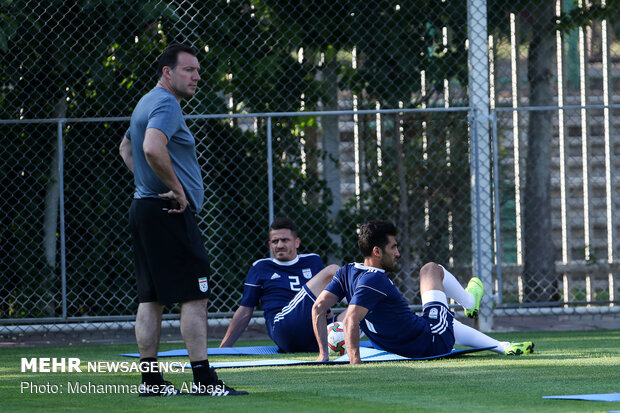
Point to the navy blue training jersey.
(389, 322)
(274, 283)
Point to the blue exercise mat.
(229, 351)
(604, 397)
(216, 351)
(367, 354)
(371, 354)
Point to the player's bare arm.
(126, 153)
(237, 325)
(355, 314)
(323, 303)
(158, 158)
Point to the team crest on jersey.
(203, 283)
(275, 276)
(307, 272)
(434, 313)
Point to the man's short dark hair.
(170, 56)
(374, 234)
(284, 223)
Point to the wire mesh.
(76, 70)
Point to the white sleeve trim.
(374, 289)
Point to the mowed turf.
(579, 362)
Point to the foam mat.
(369, 355)
(602, 397)
(229, 351)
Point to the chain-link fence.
(485, 132)
(555, 104)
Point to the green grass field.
(580, 362)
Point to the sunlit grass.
(564, 363)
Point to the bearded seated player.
(379, 309)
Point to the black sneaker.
(163, 390)
(216, 388)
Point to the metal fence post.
(499, 257)
(482, 242)
(270, 170)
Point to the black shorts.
(171, 262)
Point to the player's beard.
(389, 263)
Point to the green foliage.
(583, 16)
(87, 58)
(93, 59)
(405, 41)
(97, 192)
(24, 177)
(75, 58)
(236, 213)
(434, 158)
(394, 43)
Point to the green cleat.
(475, 288)
(517, 349)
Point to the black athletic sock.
(202, 373)
(150, 371)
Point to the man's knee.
(431, 277)
(317, 283)
(194, 307)
(431, 269)
(150, 309)
(328, 273)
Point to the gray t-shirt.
(159, 109)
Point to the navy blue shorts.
(171, 262)
(292, 327)
(440, 328)
(432, 335)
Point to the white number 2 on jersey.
(294, 282)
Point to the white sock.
(434, 296)
(455, 290)
(466, 336)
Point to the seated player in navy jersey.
(286, 287)
(379, 309)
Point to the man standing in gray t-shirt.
(171, 263)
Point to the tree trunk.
(331, 140)
(404, 233)
(50, 221)
(541, 283)
(311, 145)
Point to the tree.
(51, 61)
(93, 59)
(539, 251)
(538, 22)
(393, 34)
